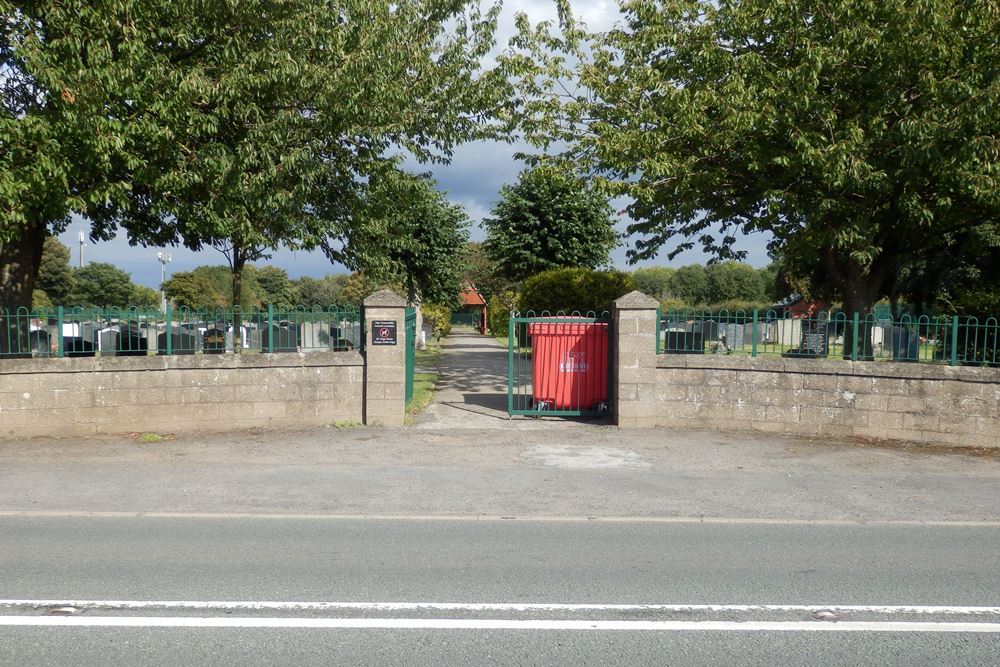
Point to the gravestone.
(107, 342)
(684, 342)
(214, 340)
(734, 335)
(181, 342)
(709, 330)
(286, 338)
(814, 340)
(131, 341)
(74, 346)
(38, 341)
(905, 343)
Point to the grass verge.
(424, 379)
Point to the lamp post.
(163, 258)
(80, 238)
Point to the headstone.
(74, 346)
(107, 342)
(181, 342)
(214, 340)
(733, 335)
(286, 339)
(905, 343)
(815, 339)
(131, 341)
(38, 341)
(684, 342)
(709, 329)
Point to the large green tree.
(241, 125)
(419, 235)
(102, 285)
(856, 133)
(325, 291)
(55, 275)
(548, 220)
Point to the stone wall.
(925, 403)
(176, 394)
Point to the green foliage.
(276, 288)
(479, 270)
(55, 275)
(192, 289)
(548, 220)
(654, 281)
(439, 317)
(239, 125)
(101, 285)
(144, 297)
(734, 281)
(690, 284)
(859, 134)
(573, 290)
(325, 291)
(416, 237)
(39, 299)
(498, 312)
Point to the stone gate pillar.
(385, 359)
(633, 360)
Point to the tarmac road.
(777, 582)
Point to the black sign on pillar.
(383, 332)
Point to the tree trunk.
(20, 259)
(239, 261)
(859, 286)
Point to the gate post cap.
(636, 300)
(385, 298)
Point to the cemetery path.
(472, 388)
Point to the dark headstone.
(214, 341)
(684, 342)
(814, 341)
(286, 339)
(38, 341)
(131, 342)
(905, 343)
(74, 346)
(180, 343)
(709, 329)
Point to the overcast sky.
(472, 179)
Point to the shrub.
(573, 290)
(498, 312)
(439, 317)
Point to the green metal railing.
(86, 332)
(949, 339)
(558, 364)
(411, 350)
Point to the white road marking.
(63, 514)
(263, 605)
(502, 624)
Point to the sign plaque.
(383, 332)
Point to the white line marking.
(467, 624)
(491, 518)
(228, 605)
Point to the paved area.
(472, 389)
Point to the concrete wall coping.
(384, 298)
(880, 369)
(636, 300)
(180, 362)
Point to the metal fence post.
(854, 337)
(659, 328)
(753, 342)
(270, 327)
(954, 341)
(511, 323)
(170, 339)
(59, 332)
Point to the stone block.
(782, 413)
(668, 392)
(924, 422)
(896, 403)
